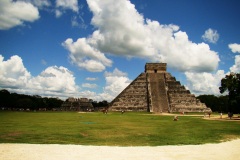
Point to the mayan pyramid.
(156, 90)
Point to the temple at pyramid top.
(156, 90)
(155, 67)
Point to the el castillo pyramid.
(156, 90)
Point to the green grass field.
(113, 129)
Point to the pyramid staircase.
(157, 92)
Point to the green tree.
(15, 101)
(216, 103)
(231, 84)
(25, 103)
(4, 98)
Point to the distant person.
(230, 115)
(105, 111)
(209, 114)
(175, 118)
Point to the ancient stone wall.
(77, 104)
(155, 67)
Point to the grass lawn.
(113, 129)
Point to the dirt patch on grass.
(206, 117)
(11, 135)
(84, 134)
(223, 118)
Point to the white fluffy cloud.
(236, 67)
(121, 30)
(84, 56)
(39, 3)
(211, 36)
(68, 4)
(204, 83)
(209, 83)
(57, 81)
(14, 13)
(235, 48)
(53, 81)
(62, 5)
(116, 81)
(13, 74)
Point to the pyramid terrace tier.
(189, 108)
(131, 98)
(181, 91)
(180, 95)
(183, 99)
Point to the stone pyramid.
(156, 90)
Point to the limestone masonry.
(156, 90)
(77, 104)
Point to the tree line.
(216, 103)
(14, 101)
(230, 85)
(226, 103)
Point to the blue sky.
(94, 49)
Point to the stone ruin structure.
(77, 104)
(158, 91)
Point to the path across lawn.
(225, 150)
